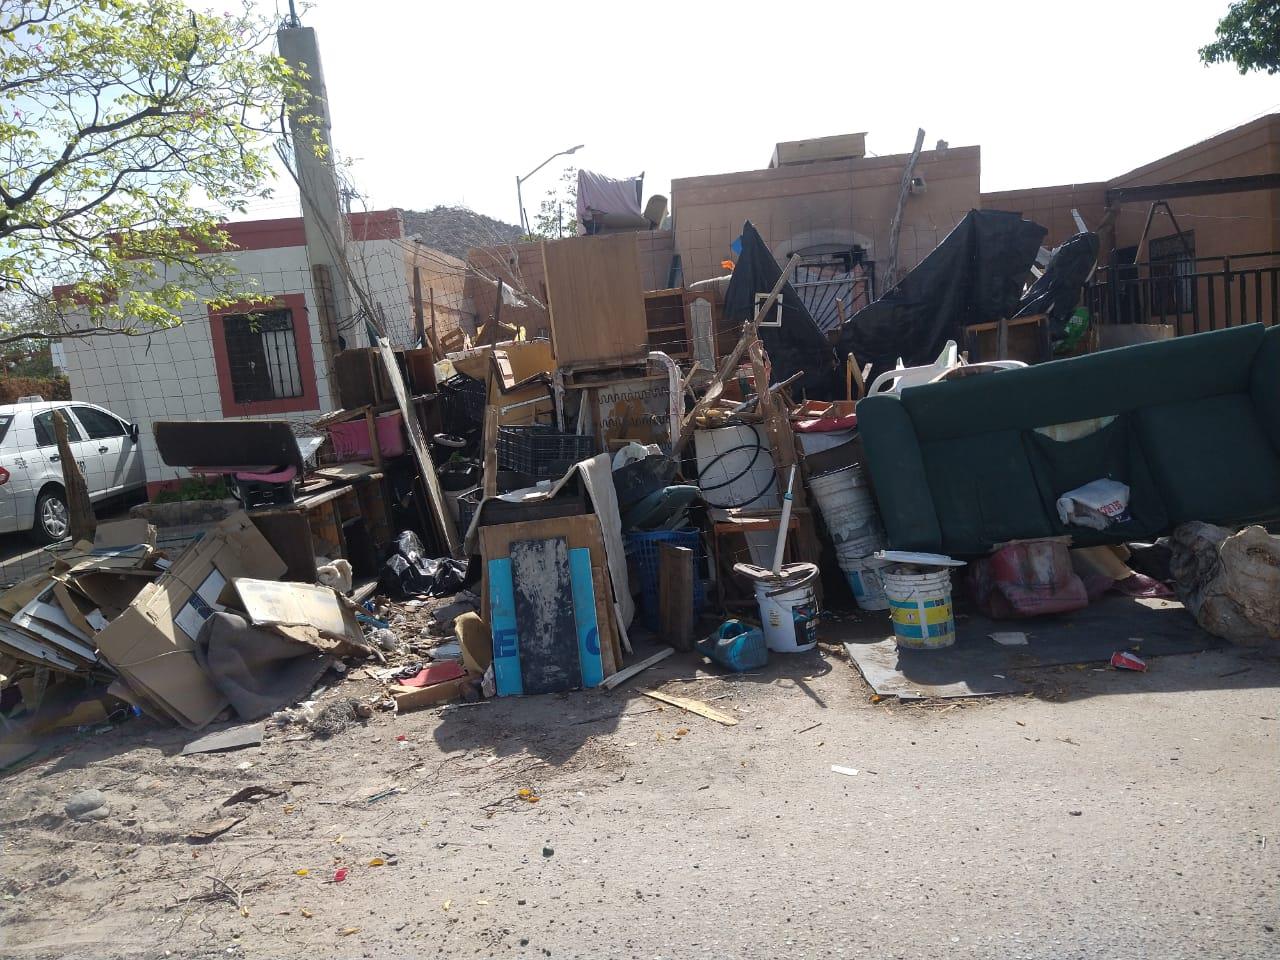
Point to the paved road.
(1114, 815)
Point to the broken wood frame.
(749, 332)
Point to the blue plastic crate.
(642, 560)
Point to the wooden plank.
(289, 534)
(675, 595)
(693, 706)
(548, 634)
(625, 674)
(891, 269)
(348, 471)
(418, 444)
(580, 531)
(490, 438)
(596, 299)
(375, 448)
(502, 619)
(590, 656)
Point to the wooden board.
(580, 531)
(418, 443)
(502, 618)
(548, 634)
(675, 595)
(693, 706)
(584, 615)
(289, 534)
(596, 299)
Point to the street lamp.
(524, 221)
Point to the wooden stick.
(896, 223)
(419, 326)
(731, 361)
(626, 674)
(693, 706)
(490, 451)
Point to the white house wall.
(171, 374)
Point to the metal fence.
(1195, 294)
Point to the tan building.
(1217, 266)
(819, 197)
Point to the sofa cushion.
(1081, 388)
(983, 492)
(1113, 452)
(1212, 459)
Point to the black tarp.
(1057, 292)
(796, 345)
(975, 275)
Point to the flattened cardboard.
(111, 591)
(22, 593)
(273, 603)
(124, 533)
(149, 644)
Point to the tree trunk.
(83, 522)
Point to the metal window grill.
(1172, 261)
(822, 280)
(262, 353)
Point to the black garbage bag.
(796, 345)
(975, 275)
(409, 573)
(1057, 292)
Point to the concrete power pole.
(322, 218)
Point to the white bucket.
(866, 584)
(860, 548)
(846, 503)
(790, 619)
(920, 608)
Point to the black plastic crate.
(541, 451)
(462, 400)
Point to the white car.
(32, 496)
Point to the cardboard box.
(152, 643)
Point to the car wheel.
(53, 519)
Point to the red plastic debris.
(401, 736)
(1124, 660)
(340, 874)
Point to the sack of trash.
(1230, 582)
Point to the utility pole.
(322, 220)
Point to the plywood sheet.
(544, 616)
(596, 300)
(582, 531)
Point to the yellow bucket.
(920, 608)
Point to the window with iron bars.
(1173, 262)
(262, 353)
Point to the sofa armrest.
(898, 475)
(1264, 386)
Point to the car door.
(108, 450)
(47, 441)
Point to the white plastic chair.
(900, 377)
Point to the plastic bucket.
(860, 548)
(847, 507)
(920, 608)
(790, 619)
(866, 583)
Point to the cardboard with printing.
(151, 644)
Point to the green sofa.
(958, 466)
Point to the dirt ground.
(1111, 815)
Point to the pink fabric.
(351, 439)
(267, 474)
